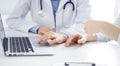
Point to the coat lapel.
(48, 2)
(61, 4)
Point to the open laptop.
(23, 46)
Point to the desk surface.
(97, 52)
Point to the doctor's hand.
(77, 38)
(43, 30)
(53, 38)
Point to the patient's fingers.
(82, 40)
(73, 38)
(69, 40)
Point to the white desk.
(98, 52)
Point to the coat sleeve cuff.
(34, 29)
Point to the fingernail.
(79, 41)
(41, 33)
(67, 45)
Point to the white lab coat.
(117, 12)
(118, 38)
(64, 18)
(117, 16)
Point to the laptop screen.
(2, 32)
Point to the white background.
(101, 9)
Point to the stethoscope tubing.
(68, 2)
(41, 5)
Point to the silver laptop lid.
(2, 31)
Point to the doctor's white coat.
(67, 21)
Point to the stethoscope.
(42, 13)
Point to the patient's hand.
(56, 38)
(77, 38)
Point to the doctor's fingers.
(56, 41)
(47, 35)
(44, 38)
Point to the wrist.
(64, 36)
(91, 37)
(42, 30)
(39, 31)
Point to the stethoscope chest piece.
(41, 13)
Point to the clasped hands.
(54, 38)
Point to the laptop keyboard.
(17, 45)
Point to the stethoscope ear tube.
(40, 12)
(69, 2)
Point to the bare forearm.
(110, 30)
